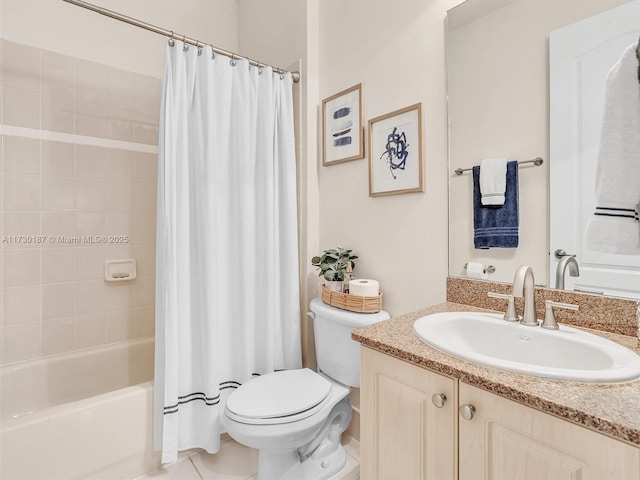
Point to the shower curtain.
(227, 294)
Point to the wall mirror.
(498, 81)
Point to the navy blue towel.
(493, 225)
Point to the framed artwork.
(395, 152)
(342, 127)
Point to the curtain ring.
(171, 40)
(198, 47)
(213, 54)
(185, 47)
(233, 61)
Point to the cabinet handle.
(439, 399)
(467, 411)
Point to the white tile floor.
(237, 462)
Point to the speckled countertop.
(612, 409)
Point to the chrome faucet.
(574, 270)
(523, 286)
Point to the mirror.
(498, 105)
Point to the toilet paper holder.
(487, 269)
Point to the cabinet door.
(404, 436)
(507, 440)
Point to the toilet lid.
(279, 394)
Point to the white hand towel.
(615, 228)
(493, 180)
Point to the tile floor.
(237, 462)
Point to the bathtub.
(82, 415)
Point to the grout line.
(190, 458)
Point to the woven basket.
(353, 303)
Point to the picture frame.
(342, 127)
(395, 152)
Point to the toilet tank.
(337, 354)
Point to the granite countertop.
(612, 409)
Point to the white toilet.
(295, 418)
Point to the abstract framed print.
(342, 126)
(395, 152)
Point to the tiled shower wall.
(78, 187)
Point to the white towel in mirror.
(493, 180)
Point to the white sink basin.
(565, 354)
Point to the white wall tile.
(21, 192)
(21, 67)
(144, 322)
(20, 155)
(145, 256)
(58, 193)
(120, 123)
(21, 305)
(58, 75)
(119, 197)
(91, 82)
(54, 299)
(90, 263)
(146, 167)
(21, 267)
(144, 229)
(91, 195)
(58, 265)
(58, 336)
(91, 330)
(145, 197)
(119, 165)
(58, 114)
(59, 224)
(21, 229)
(90, 162)
(91, 224)
(91, 119)
(58, 159)
(90, 297)
(120, 325)
(120, 88)
(120, 295)
(20, 342)
(21, 108)
(58, 300)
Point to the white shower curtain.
(227, 294)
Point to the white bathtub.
(83, 415)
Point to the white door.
(580, 57)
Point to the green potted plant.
(333, 265)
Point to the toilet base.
(274, 465)
(319, 459)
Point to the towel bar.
(536, 161)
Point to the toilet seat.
(279, 397)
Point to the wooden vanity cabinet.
(507, 440)
(405, 436)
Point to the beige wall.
(74, 31)
(396, 49)
(499, 107)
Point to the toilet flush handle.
(311, 315)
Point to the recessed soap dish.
(120, 270)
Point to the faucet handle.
(510, 315)
(549, 318)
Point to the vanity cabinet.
(404, 435)
(505, 439)
(474, 435)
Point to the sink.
(564, 354)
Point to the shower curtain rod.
(169, 33)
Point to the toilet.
(295, 418)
